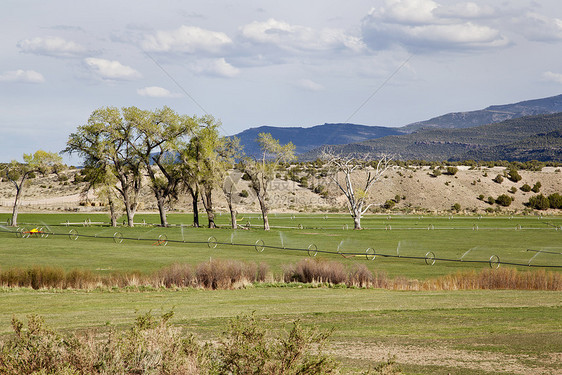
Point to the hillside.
(306, 139)
(419, 191)
(492, 114)
(525, 138)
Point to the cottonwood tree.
(206, 161)
(262, 170)
(156, 139)
(102, 182)
(18, 173)
(343, 172)
(105, 142)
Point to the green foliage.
(436, 172)
(555, 200)
(389, 204)
(526, 188)
(481, 197)
(244, 194)
(452, 170)
(456, 207)
(514, 176)
(536, 187)
(491, 200)
(513, 190)
(498, 179)
(504, 200)
(539, 202)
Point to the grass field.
(460, 332)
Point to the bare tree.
(262, 171)
(357, 193)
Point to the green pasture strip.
(517, 240)
(458, 319)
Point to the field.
(460, 332)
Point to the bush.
(514, 176)
(389, 204)
(452, 171)
(555, 200)
(436, 172)
(513, 190)
(539, 202)
(536, 187)
(456, 207)
(244, 194)
(504, 200)
(481, 197)
(491, 200)
(498, 179)
(526, 188)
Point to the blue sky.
(252, 63)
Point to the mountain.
(525, 138)
(306, 139)
(492, 114)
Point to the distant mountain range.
(525, 138)
(453, 136)
(306, 139)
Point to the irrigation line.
(430, 260)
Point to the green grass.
(524, 324)
(519, 323)
(407, 236)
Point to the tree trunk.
(264, 211)
(232, 213)
(195, 197)
(17, 201)
(112, 213)
(161, 209)
(357, 222)
(208, 203)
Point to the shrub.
(539, 202)
(389, 204)
(513, 190)
(536, 187)
(555, 200)
(452, 171)
(526, 188)
(436, 172)
(397, 198)
(481, 197)
(244, 194)
(514, 176)
(498, 179)
(310, 271)
(504, 200)
(456, 207)
(491, 200)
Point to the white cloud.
(310, 85)
(295, 37)
(157, 92)
(25, 76)
(215, 67)
(464, 11)
(425, 25)
(537, 27)
(51, 46)
(187, 39)
(554, 77)
(112, 70)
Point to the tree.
(105, 143)
(262, 171)
(18, 173)
(555, 200)
(539, 202)
(156, 138)
(357, 194)
(514, 176)
(504, 200)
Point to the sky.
(262, 62)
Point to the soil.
(418, 190)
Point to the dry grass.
(231, 274)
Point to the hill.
(306, 139)
(525, 138)
(492, 114)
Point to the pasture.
(460, 332)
